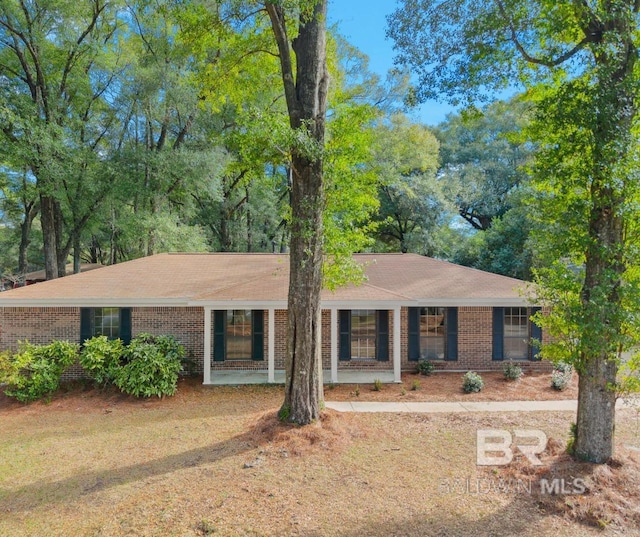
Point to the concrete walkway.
(570, 405)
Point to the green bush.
(472, 382)
(101, 358)
(7, 366)
(425, 367)
(35, 370)
(152, 366)
(512, 371)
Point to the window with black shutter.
(115, 323)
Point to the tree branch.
(278, 24)
(73, 54)
(540, 61)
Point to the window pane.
(515, 349)
(238, 335)
(515, 322)
(432, 333)
(106, 322)
(363, 334)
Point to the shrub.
(472, 382)
(7, 366)
(152, 368)
(561, 376)
(425, 367)
(571, 443)
(415, 385)
(101, 358)
(35, 370)
(377, 385)
(560, 380)
(512, 371)
(563, 367)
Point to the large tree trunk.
(306, 103)
(303, 388)
(595, 425)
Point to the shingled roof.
(261, 279)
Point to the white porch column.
(207, 345)
(334, 345)
(397, 358)
(271, 347)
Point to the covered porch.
(334, 374)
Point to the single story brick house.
(230, 312)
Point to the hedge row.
(148, 366)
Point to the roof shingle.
(263, 278)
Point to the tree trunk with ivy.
(602, 298)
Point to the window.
(432, 333)
(513, 334)
(516, 334)
(238, 335)
(364, 334)
(115, 323)
(106, 322)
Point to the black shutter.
(536, 334)
(125, 325)
(257, 335)
(498, 334)
(219, 322)
(85, 325)
(452, 334)
(382, 335)
(414, 334)
(344, 318)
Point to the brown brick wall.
(185, 324)
(38, 325)
(43, 325)
(475, 344)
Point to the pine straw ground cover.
(214, 461)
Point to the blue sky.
(363, 23)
